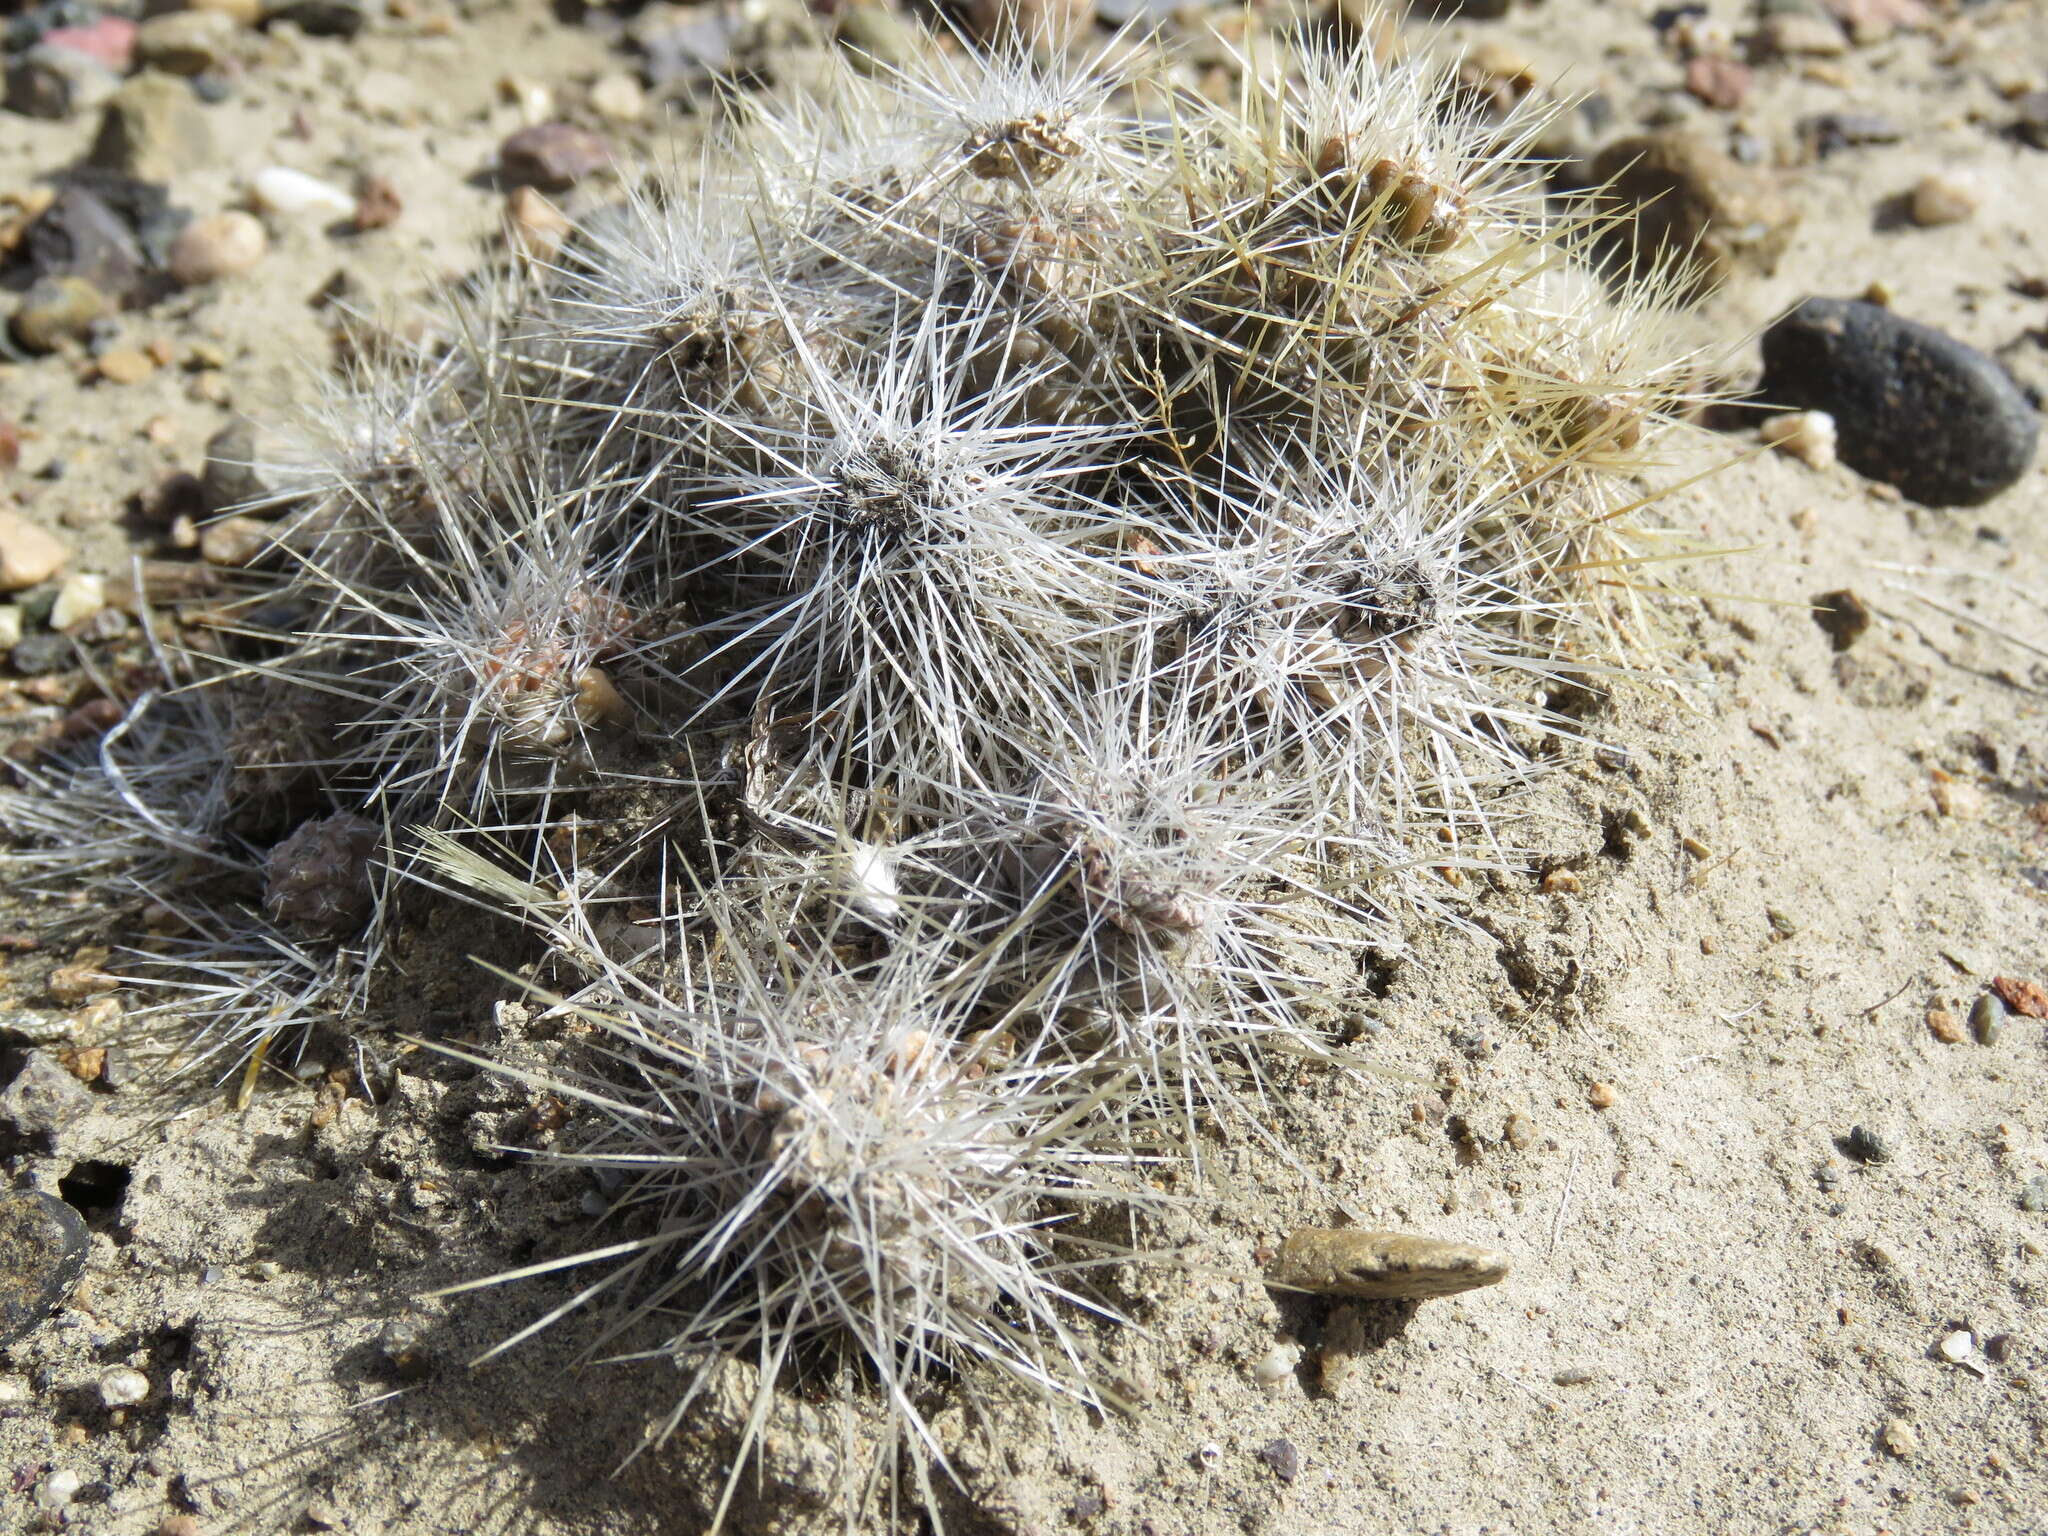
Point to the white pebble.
(1808, 436)
(1272, 1369)
(123, 1387)
(1958, 1346)
(58, 1489)
(1937, 200)
(279, 189)
(10, 625)
(78, 599)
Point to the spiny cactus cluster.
(951, 621)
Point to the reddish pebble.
(110, 40)
(377, 203)
(551, 156)
(1718, 81)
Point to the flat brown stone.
(1382, 1266)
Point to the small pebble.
(1719, 81)
(1913, 407)
(1867, 1145)
(40, 655)
(1808, 436)
(1900, 1438)
(2034, 1197)
(403, 1345)
(322, 1516)
(1382, 1266)
(1283, 1458)
(56, 310)
(281, 190)
(1945, 1026)
(28, 555)
(1937, 200)
(155, 130)
(534, 224)
(1603, 1095)
(1987, 1019)
(1825, 133)
(180, 1525)
(1843, 616)
(126, 365)
(378, 204)
(234, 541)
(1575, 1376)
(186, 42)
(1802, 37)
(551, 156)
(123, 1387)
(618, 98)
(321, 18)
(53, 82)
(1273, 1368)
(221, 245)
(1958, 1346)
(57, 1490)
(78, 599)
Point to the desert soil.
(1794, 867)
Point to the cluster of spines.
(1101, 564)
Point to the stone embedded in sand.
(187, 42)
(1913, 406)
(52, 83)
(551, 156)
(221, 245)
(56, 310)
(40, 1102)
(1679, 197)
(154, 129)
(1382, 1266)
(43, 1248)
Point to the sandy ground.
(1718, 1320)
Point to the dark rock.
(38, 655)
(43, 1248)
(1827, 132)
(41, 1101)
(232, 477)
(1867, 1145)
(2031, 126)
(79, 235)
(1913, 407)
(551, 156)
(53, 83)
(1843, 615)
(1283, 1458)
(321, 18)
